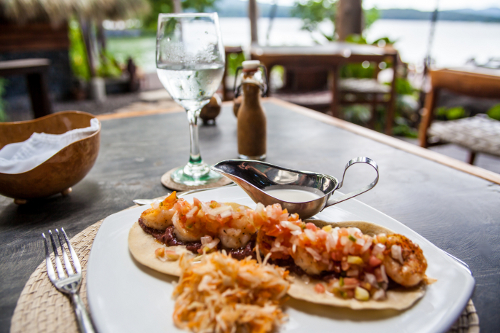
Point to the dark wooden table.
(36, 72)
(328, 58)
(453, 204)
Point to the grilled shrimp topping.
(229, 223)
(405, 263)
(358, 265)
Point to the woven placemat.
(169, 183)
(41, 308)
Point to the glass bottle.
(252, 122)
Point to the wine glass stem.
(194, 153)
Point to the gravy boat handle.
(362, 190)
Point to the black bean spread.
(169, 238)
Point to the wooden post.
(335, 103)
(39, 92)
(87, 40)
(430, 104)
(177, 6)
(349, 18)
(253, 15)
(391, 108)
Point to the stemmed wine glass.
(190, 64)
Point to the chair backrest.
(481, 83)
(475, 84)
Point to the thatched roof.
(56, 11)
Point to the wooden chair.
(478, 135)
(342, 91)
(370, 91)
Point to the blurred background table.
(453, 204)
(328, 58)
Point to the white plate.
(127, 297)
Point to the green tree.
(166, 6)
(313, 12)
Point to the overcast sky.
(424, 5)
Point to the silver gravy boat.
(256, 178)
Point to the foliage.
(451, 113)
(3, 116)
(313, 12)
(371, 15)
(404, 87)
(358, 113)
(406, 117)
(365, 70)
(360, 71)
(401, 128)
(494, 112)
(77, 52)
(404, 124)
(108, 67)
(166, 6)
(234, 60)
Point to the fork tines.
(59, 268)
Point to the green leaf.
(494, 112)
(456, 113)
(77, 52)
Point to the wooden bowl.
(63, 170)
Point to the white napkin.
(23, 156)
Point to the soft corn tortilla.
(142, 246)
(398, 299)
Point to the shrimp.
(238, 231)
(231, 223)
(159, 216)
(404, 261)
(305, 260)
(276, 227)
(186, 232)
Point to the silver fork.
(71, 283)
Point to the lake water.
(454, 42)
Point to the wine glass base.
(180, 177)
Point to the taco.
(326, 288)
(352, 264)
(175, 227)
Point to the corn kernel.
(361, 294)
(327, 228)
(354, 260)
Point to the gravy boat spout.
(302, 192)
